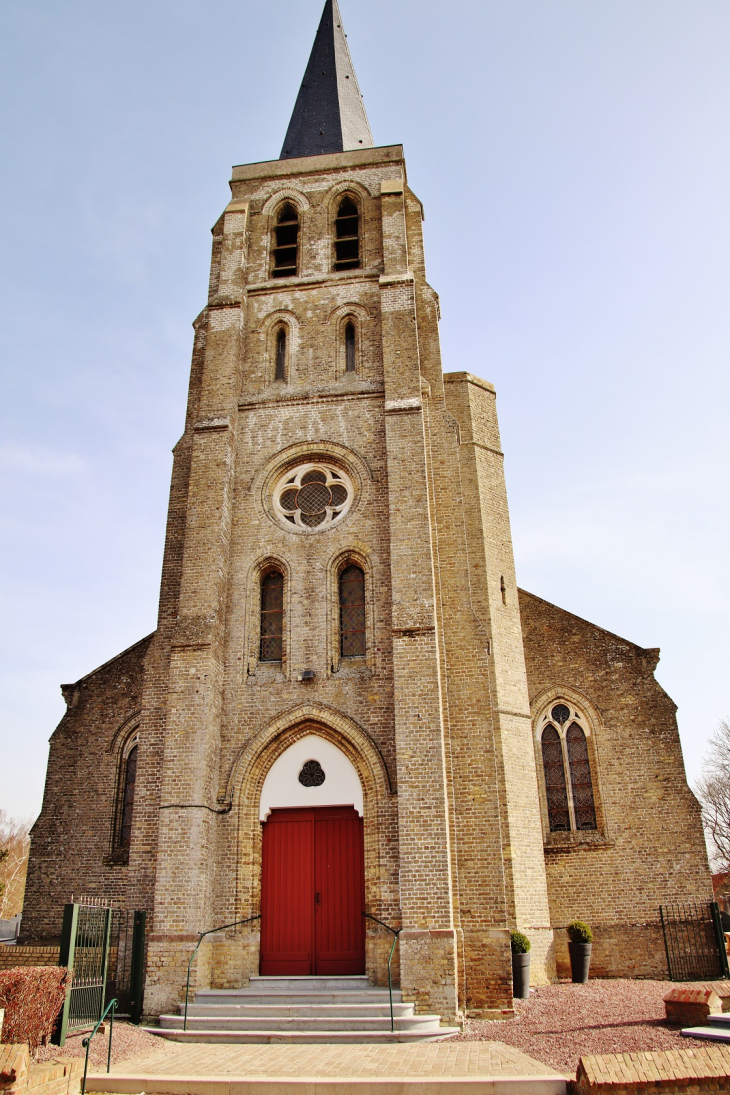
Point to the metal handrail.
(202, 935)
(396, 932)
(111, 1006)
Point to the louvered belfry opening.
(272, 617)
(581, 784)
(286, 242)
(347, 236)
(555, 788)
(352, 613)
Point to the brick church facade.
(348, 705)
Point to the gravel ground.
(127, 1041)
(560, 1023)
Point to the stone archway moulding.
(286, 193)
(273, 739)
(569, 692)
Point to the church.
(348, 706)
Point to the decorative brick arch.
(286, 194)
(246, 780)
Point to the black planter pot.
(521, 976)
(580, 961)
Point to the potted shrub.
(520, 946)
(580, 946)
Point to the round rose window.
(314, 496)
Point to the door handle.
(316, 899)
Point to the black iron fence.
(104, 949)
(694, 941)
(125, 972)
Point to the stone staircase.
(716, 1029)
(325, 1010)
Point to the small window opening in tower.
(281, 354)
(272, 617)
(286, 239)
(350, 346)
(352, 613)
(503, 588)
(347, 236)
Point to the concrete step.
(719, 1020)
(303, 1037)
(215, 997)
(307, 984)
(716, 1033)
(291, 1010)
(425, 1023)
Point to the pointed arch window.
(350, 347)
(555, 788)
(347, 235)
(567, 770)
(272, 617)
(281, 354)
(127, 789)
(581, 784)
(352, 613)
(286, 242)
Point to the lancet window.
(350, 347)
(352, 613)
(286, 242)
(272, 617)
(281, 354)
(127, 786)
(347, 235)
(567, 770)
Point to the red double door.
(313, 892)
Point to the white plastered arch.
(282, 789)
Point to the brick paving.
(428, 1060)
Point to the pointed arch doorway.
(313, 864)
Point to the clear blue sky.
(573, 161)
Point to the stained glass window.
(556, 790)
(272, 617)
(352, 612)
(580, 778)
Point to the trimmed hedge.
(519, 943)
(579, 932)
(32, 997)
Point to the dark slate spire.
(329, 114)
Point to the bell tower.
(338, 567)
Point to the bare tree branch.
(713, 791)
(14, 848)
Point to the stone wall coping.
(654, 1070)
(469, 378)
(329, 161)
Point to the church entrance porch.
(313, 892)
